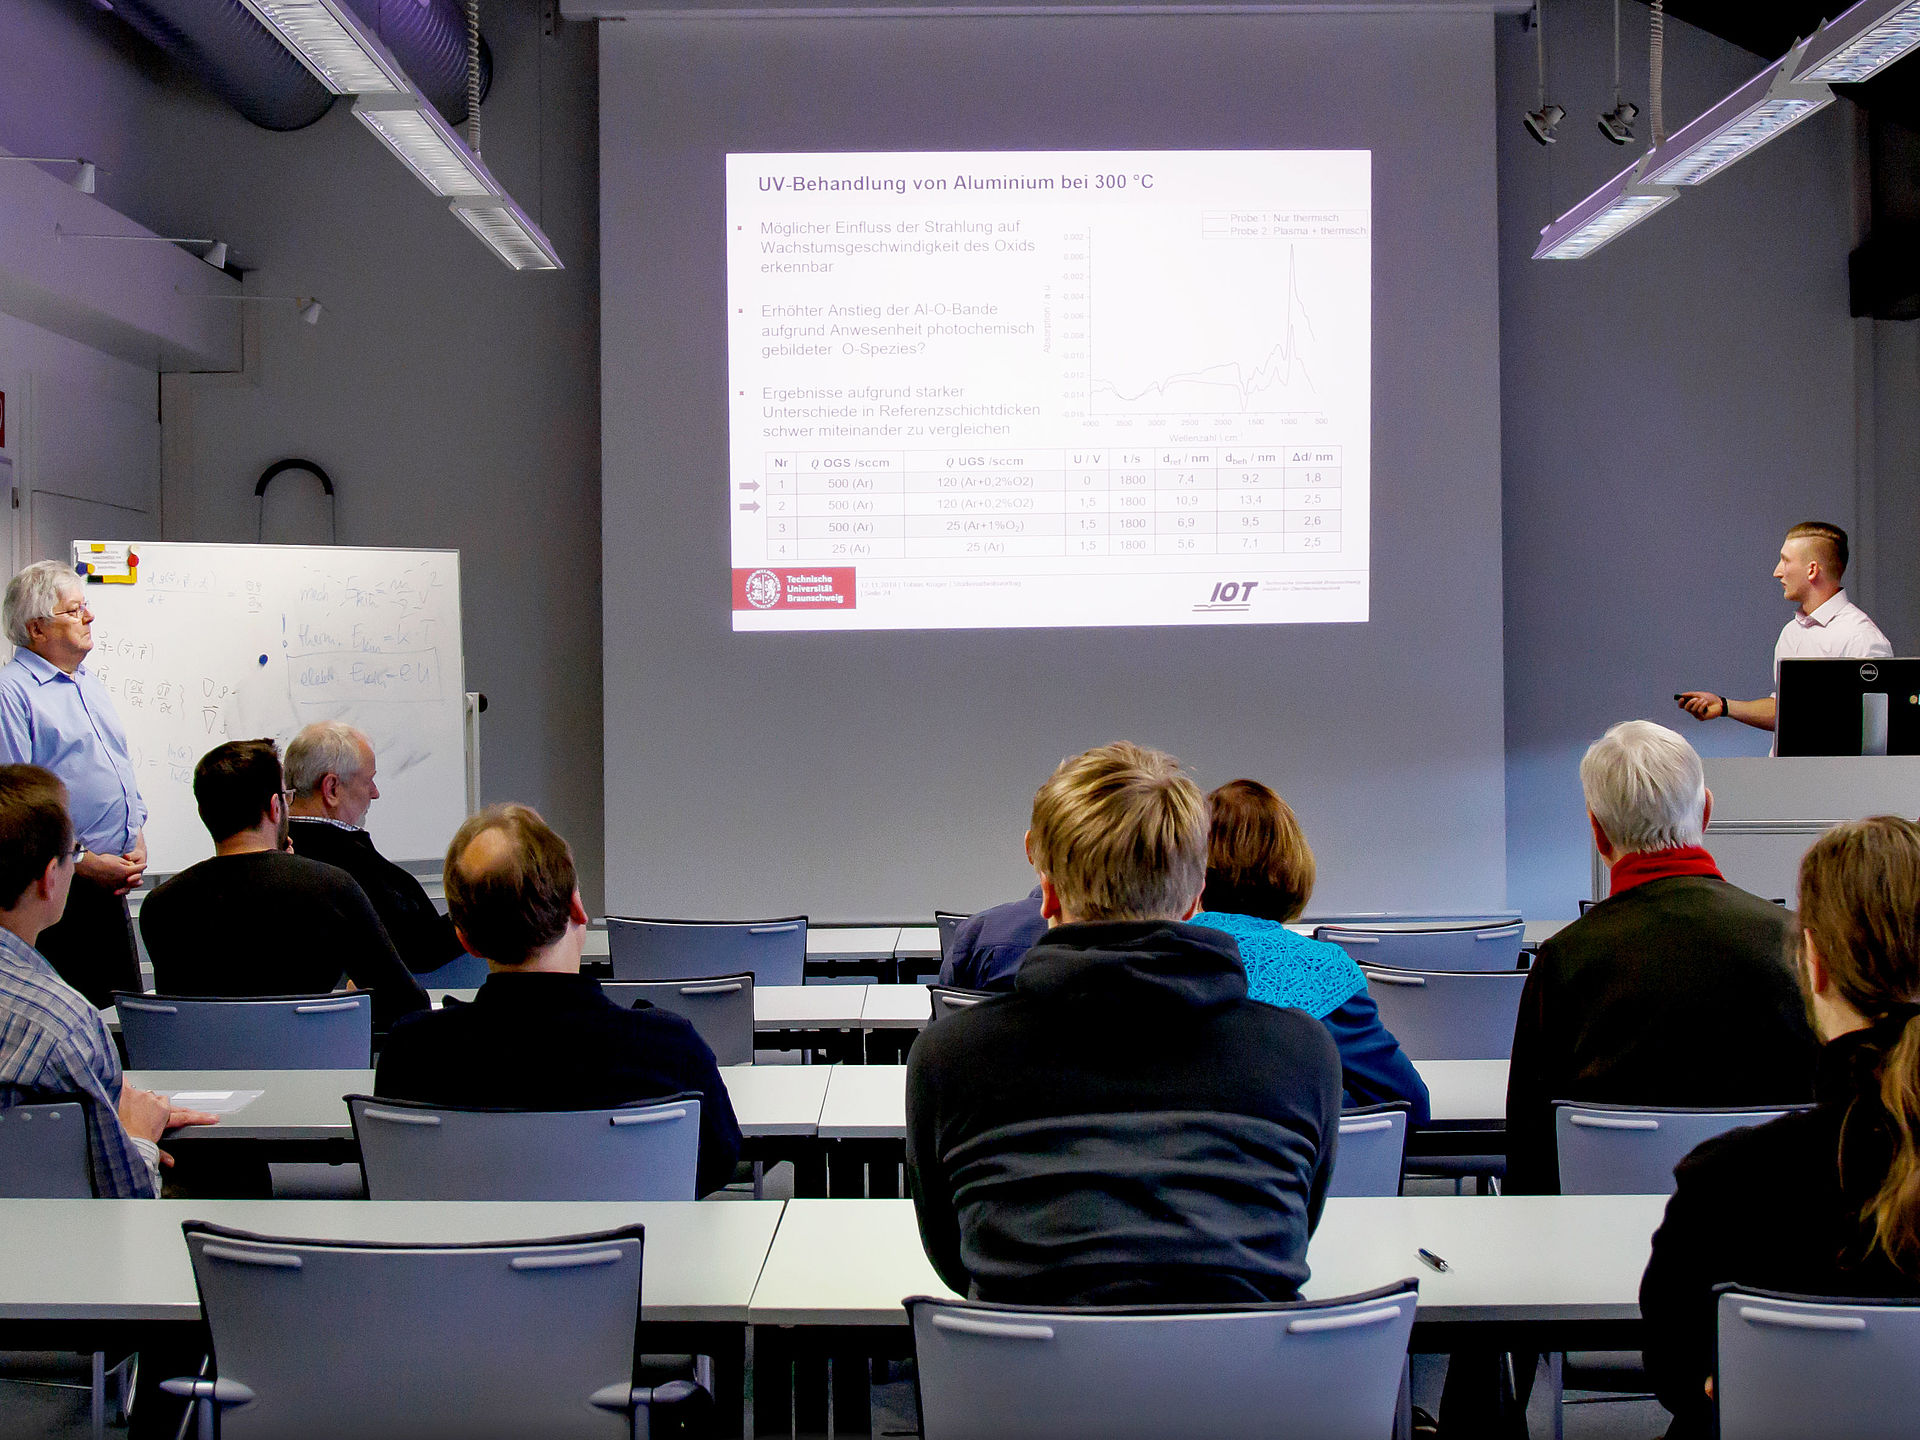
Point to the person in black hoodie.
(1126, 1126)
(330, 769)
(1823, 1201)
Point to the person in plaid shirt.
(53, 1044)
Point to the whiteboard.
(210, 643)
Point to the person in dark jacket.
(1260, 874)
(330, 769)
(254, 920)
(1675, 990)
(1825, 1201)
(1126, 1126)
(538, 1034)
(988, 947)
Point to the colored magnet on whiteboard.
(263, 659)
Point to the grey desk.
(126, 1261)
(896, 1007)
(1551, 1264)
(776, 1007)
(304, 1107)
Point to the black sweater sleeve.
(1676, 1295)
(1532, 1163)
(369, 959)
(927, 1180)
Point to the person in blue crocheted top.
(1260, 874)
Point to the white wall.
(1671, 405)
(454, 402)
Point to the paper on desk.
(214, 1102)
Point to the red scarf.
(1644, 865)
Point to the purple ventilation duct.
(234, 55)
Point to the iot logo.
(763, 589)
(1230, 595)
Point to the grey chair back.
(283, 1032)
(950, 999)
(1430, 947)
(1448, 1014)
(775, 951)
(1632, 1149)
(463, 972)
(1372, 1150)
(1795, 1366)
(317, 1338)
(411, 1151)
(1001, 1372)
(719, 1007)
(948, 922)
(44, 1153)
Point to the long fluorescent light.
(1767, 106)
(1612, 210)
(411, 128)
(329, 39)
(509, 232)
(1867, 39)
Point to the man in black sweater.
(539, 1035)
(257, 920)
(1126, 1126)
(1678, 989)
(330, 769)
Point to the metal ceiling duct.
(221, 44)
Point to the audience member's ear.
(577, 910)
(1813, 965)
(1600, 840)
(1706, 811)
(1199, 904)
(46, 883)
(466, 944)
(1026, 844)
(1050, 903)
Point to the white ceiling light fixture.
(1612, 210)
(1862, 42)
(509, 232)
(412, 129)
(329, 39)
(1766, 107)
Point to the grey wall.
(454, 402)
(884, 774)
(1670, 406)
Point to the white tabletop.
(1531, 1258)
(852, 942)
(1465, 1092)
(896, 1007)
(308, 1105)
(865, 1102)
(775, 1007)
(114, 1260)
(918, 942)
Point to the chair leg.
(97, 1399)
(1403, 1407)
(1556, 1362)
(759, 1179)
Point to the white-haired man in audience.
(330, 769)
(1677, 989)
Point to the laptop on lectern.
(1848, 707)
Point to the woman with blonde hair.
(1825, 1201)
(1260, 875)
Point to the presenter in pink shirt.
(1826, 626)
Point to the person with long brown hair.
(1260, 875)
(1824, 1201)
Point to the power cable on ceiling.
(1656, 68)
(473, 76)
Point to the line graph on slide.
(1230, 336)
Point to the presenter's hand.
(137, 856)
(1702, 704)
(111, 871)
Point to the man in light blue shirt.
(55, 713)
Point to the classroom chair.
(947, 999)
(775, 951)
(463, 972)
(1793, 1366)
(948, 922)
(414, 1151)
(720, 1007)
(282, 1032)
(1006, 1372)
(44, 1156)
(483, 1341)
(1372, 1150)
(1448, 1014)
(1429, 947)
(1632, 1149)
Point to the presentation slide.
(1030, 389)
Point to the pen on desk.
(1434, 1260)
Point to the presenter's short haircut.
(514, 899)
(1833, 541)
(233, 783)
(1646, 787)
(1258, 859)
(35, 828)
(1121, 831)
(34, 594)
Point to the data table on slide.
(1040, 389)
